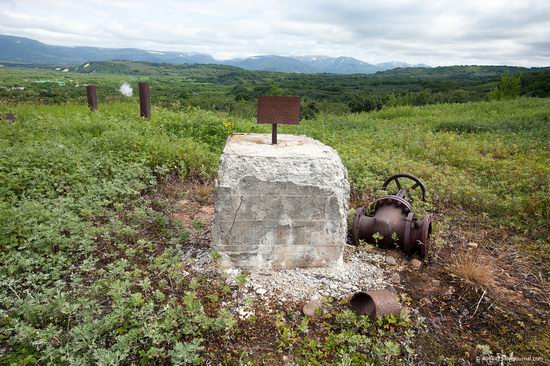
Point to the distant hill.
(270, 63)
(306, 64)
(153, 69)
(396, 65)
(28, 51)
(25, 50)
(234, 74)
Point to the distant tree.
(508, 88)
(536, 84)
(184, 94)
(309, 109)
(399, 99)
(423, 97)
(262, 89)
(275, 90)
(240, 92)
(365, 103)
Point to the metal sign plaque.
(278, 109)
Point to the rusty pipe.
(375, 303)
(91, 95)
(144, 100)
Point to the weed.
(377, 237)
(473, 269)
(348, 339)
(366, 246)
(395, 239)
(197, 224)
(202, 193)
(215, 255)
(241, 279)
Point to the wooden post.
(92, 97)
(274, 134)
(144, 100)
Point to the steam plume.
(126, 89)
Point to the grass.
(473, 269)
(502, 173)
(90, 269)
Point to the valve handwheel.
(417, 183)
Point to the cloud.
(437, 32)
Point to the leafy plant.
(377, 237)
(241, 279)
(509, 87)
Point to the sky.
(457, 32)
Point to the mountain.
(397, 65)
(28, 51)
(25, 50)
(314, 64)
(270, 63)
(338, 65)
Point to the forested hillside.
(231, 89)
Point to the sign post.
(278, 109)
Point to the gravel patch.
(361, 271)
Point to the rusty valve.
(394, 221)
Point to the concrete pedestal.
(280, 206)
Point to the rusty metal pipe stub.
(376, 303)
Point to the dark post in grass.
(276, 109)
(144, 100)
(92, 97)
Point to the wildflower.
(229, 126)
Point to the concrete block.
(280, 206)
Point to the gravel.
(416, 263)
(395, 278)
(361, 271)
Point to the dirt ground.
(503, 318)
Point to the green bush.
(508, 88)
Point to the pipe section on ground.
(375, 303)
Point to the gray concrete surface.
(280, 206)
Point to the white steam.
(126, 89)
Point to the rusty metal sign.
(278, 109)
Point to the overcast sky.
(448, 32)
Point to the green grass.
(488, 158)
(67, 176)
(89, 264)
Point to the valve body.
(393, 224)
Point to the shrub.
(508, 88)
